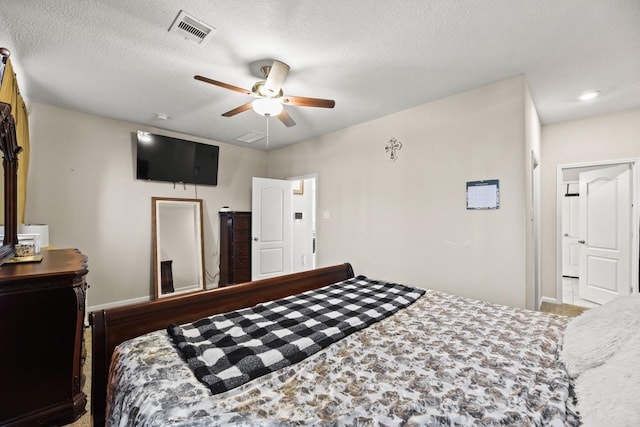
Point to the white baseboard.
(549, 300)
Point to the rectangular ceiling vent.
(191, 28)
(251, 137)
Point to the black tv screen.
(163, 158)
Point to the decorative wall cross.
(392, 147)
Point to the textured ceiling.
(116, 58)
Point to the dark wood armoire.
(235, 247)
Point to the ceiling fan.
(270, 99)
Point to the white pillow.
(594, 336)
(609, 394)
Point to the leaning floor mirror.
(178, 246)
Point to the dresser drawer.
(242, 236)
(240, 276)
(241, 262)
(241, 223)
(241, 249)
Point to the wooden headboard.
(113, 326)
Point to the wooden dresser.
(235, 247)
(42, 307)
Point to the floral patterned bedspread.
(444, 361)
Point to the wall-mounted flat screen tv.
(163, 158)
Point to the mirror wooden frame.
(163, 276)
(10, 151)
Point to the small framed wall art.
(483, 194)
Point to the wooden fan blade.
(286, 118)
(275, 79)
(300, 101)
(224, 85)
(238, 110)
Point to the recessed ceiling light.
(589, 95)
(161, 116)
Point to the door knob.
(255, 239)
(566, 234)
(582, 242)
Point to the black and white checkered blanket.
(227, 350)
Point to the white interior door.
(605, 233)
(271, 226)
(571, 249)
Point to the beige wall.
(608, 137)
(404, 220)
(82, 183)
(407, 220)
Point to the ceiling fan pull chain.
(267, 116)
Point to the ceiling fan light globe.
(267, 107)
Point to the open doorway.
(304, 223)
(597, 231)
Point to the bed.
(439, 359)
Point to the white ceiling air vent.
(191, 28)
(251, 137)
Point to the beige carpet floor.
(564, 309)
